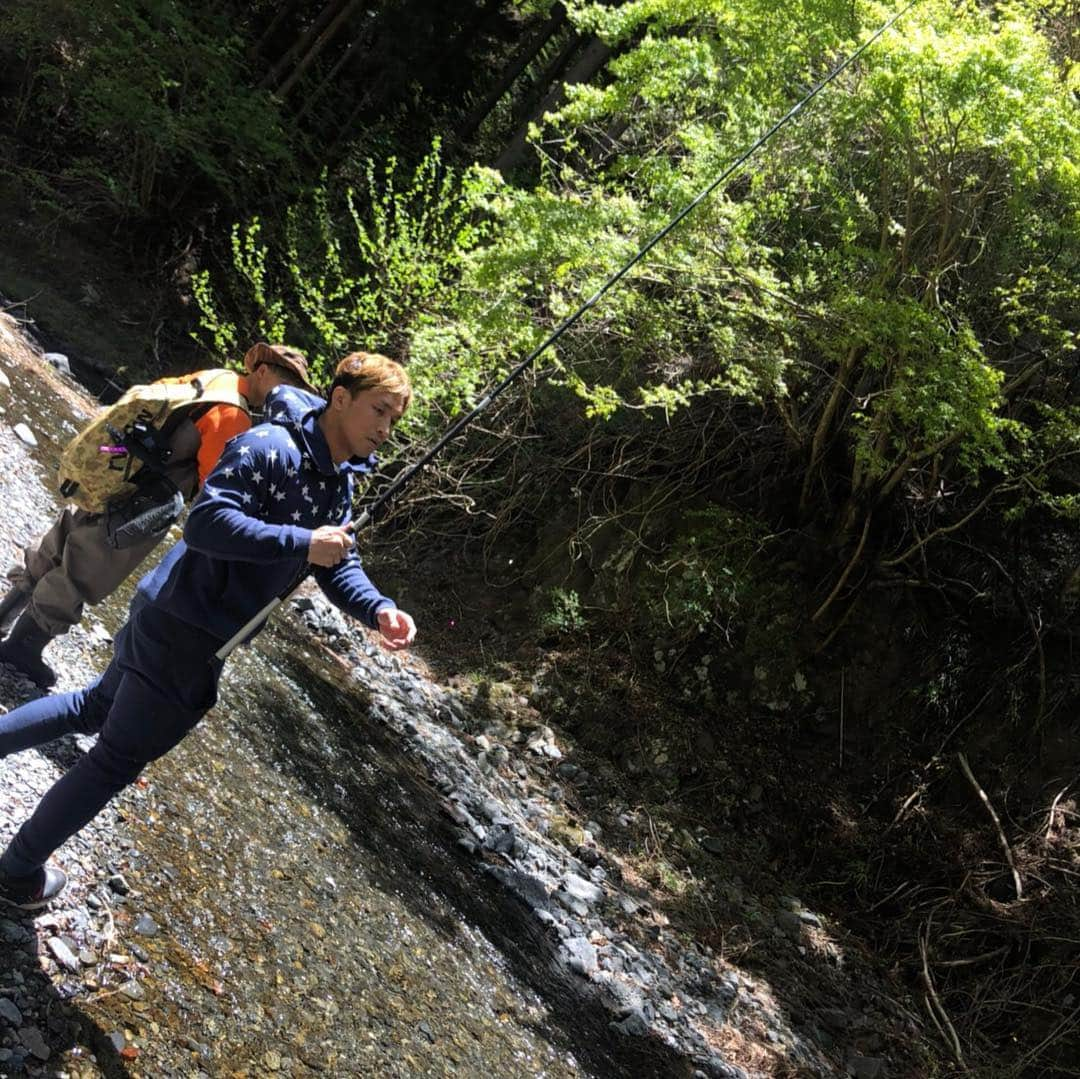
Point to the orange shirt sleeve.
(216, 426)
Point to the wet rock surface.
(348, 869)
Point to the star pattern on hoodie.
(283, 476)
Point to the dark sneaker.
(22, 650)
(34, 890)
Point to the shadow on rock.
(39, 1020)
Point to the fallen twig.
(997, 823)
(933, 1002)
(1053, 810)
(974, 959)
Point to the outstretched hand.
(397, 628)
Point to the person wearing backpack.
(130, 494)
(277, 506)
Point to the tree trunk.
(273, 77)
(526, 109)
(321, 42)
(591, 60)
(479, 113)
(283, 12)
(361, 38)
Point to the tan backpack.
(101, 464)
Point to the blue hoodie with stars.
(247, 535)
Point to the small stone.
(132, 990)
(579, 888)
(272, 1060)
(117, 1040)
(25, 434)
(145, 926)
(713, 844)
(317, 931)
(32, 1038)
(118, 884)
(63, 954)
(588, 856)
(634, 1025)
(581, 955)
(500, 838)
(9, 1013)
(790, 923)
(12, 932)
(58, 361)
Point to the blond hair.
(361, 371)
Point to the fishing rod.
(404, 477)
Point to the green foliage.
(870, 292)
(894, 244)
(139, 100)
(936, 383)
(703, 577)
(362, 267)
(562, 613)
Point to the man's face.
(364, 422)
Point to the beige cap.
(293, 360)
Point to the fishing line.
(404, 477)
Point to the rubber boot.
(22, 650)
(11, 606)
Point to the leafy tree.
(878, 315)
(140, 101)
(891, 280)
(359, 267)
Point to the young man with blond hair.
(277, 505)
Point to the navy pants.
(161, 682)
